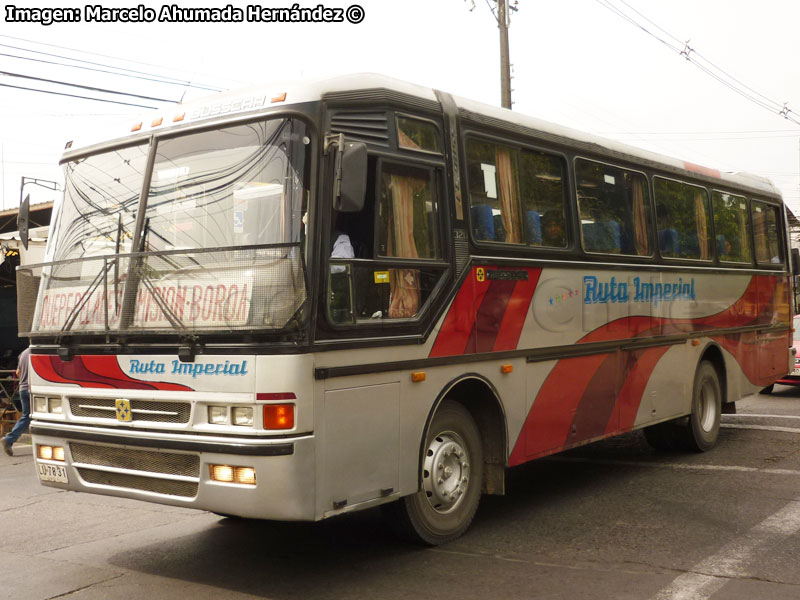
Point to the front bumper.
(173, 468)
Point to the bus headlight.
(54, 405)
(40, 404)
(218, 415)
(243, 416)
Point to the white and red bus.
(297, 301)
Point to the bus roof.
(237, 103)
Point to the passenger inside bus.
(553, 229)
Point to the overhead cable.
(18, 87)
(86, 87)
(702, 63)
(171, 80)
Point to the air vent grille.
(368, 127)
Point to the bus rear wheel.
(702, 430)
(451, 476)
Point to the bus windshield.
(219, 244)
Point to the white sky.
(575, 63)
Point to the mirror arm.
(337, 141)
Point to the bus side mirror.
(795, 261)
(351, 178)
(23, 219)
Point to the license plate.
(55, 473)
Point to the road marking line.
(677, 466)
(761, 427)
(711, 574)
(760, 416)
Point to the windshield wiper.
(73, 314)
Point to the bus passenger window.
(731, 227)
(493, 193)
(614, 210)
(682, 220)
(544, 195)
(765, 233)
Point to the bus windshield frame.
(189, 233)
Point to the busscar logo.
(123, 409)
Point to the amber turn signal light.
(278, 416)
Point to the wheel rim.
(445, 472)
(708, 406)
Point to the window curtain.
(744, 234)
(507, 191)
(760, 235)
(404, 294)
(701, 222)
(639, 219)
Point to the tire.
(701, 432)
(768, 390)
(451, 475)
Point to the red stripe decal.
(516, 312)
(548, 424)
(596, 409)
(94, 372)
(486, 315)
(630, 395)
(457, 327)
(490, 314)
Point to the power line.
(704, 64)
(166, 79)
(60, 64)
(85, 87)
(27, 89)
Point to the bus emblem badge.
(123, 410)
(480, 273)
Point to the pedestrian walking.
(25, 396)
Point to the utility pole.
(505, 65)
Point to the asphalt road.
(610, 520)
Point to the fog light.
(58, 453)
(39, 404)
(278, 416)
(222, 473)
(243, 415)
(54, 405)
(45, 452)
(246, 475)
(218, 415)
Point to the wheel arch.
(481, 399)
(713, 354)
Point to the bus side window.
(732, 227)
(682, 220)
(765, 233)
(614, 209)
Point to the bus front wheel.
(451, 475)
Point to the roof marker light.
(179, 117)
(157, 122)
(279, 97)
(137, 127)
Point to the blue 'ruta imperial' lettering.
(613, 291)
